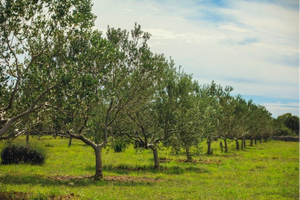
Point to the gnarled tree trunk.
(155, 156)
(225, 145)
(99, 171)
(221, 146)
(260, 139)
(27, 139)
(209, 151)
(237, 144)
(188, 155)
(70, 141)
(98, 154)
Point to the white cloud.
(234, 28)
(152, 7)
(266, 18)
(280, 108)
(250, 45)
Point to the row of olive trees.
(60, 76)
(232, 117)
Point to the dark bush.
(119, 147)
(19, 154)
(286, 138)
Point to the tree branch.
(14, 134)
(30, 110)
(83, 139)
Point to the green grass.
(266, 171)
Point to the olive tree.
(141, 125)
(188, 125)
(210, 96)
(217, 116)
(34, 36)
(115, 73)
(240, 119)
(261, 125)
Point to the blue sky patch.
(265, 99)
(290, 4)
(217, 3)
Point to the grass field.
(265, 171)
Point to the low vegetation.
(14, 154)
(264, 171)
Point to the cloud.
(242, 41)
(251, 45)
(180, 38)
(235, 28)
(279, 108)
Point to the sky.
(251, 45)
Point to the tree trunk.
(251, 142)
(244, 141)
(255, 141)
(221, 146)
(188, 155)
(155, 156)
(70, 141)
(237, 144)
(98, 154)
(209, 152)
(27, 140)
(260, 139)
(225, 145)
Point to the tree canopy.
(60, 76)
(34, 38)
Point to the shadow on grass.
(34, 180)
(127, 169)
(224, 155)
(72, 181)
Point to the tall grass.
(266, 171)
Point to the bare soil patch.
(165, 160)
(14, 195)
(106, 178)
(210, 161)
(187, 161)
(131, 178)
(25, 196)
(201, 161)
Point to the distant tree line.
(60, 76)
(287, 125)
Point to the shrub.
(119, 145)
(14, 154)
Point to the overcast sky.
(251, 45)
